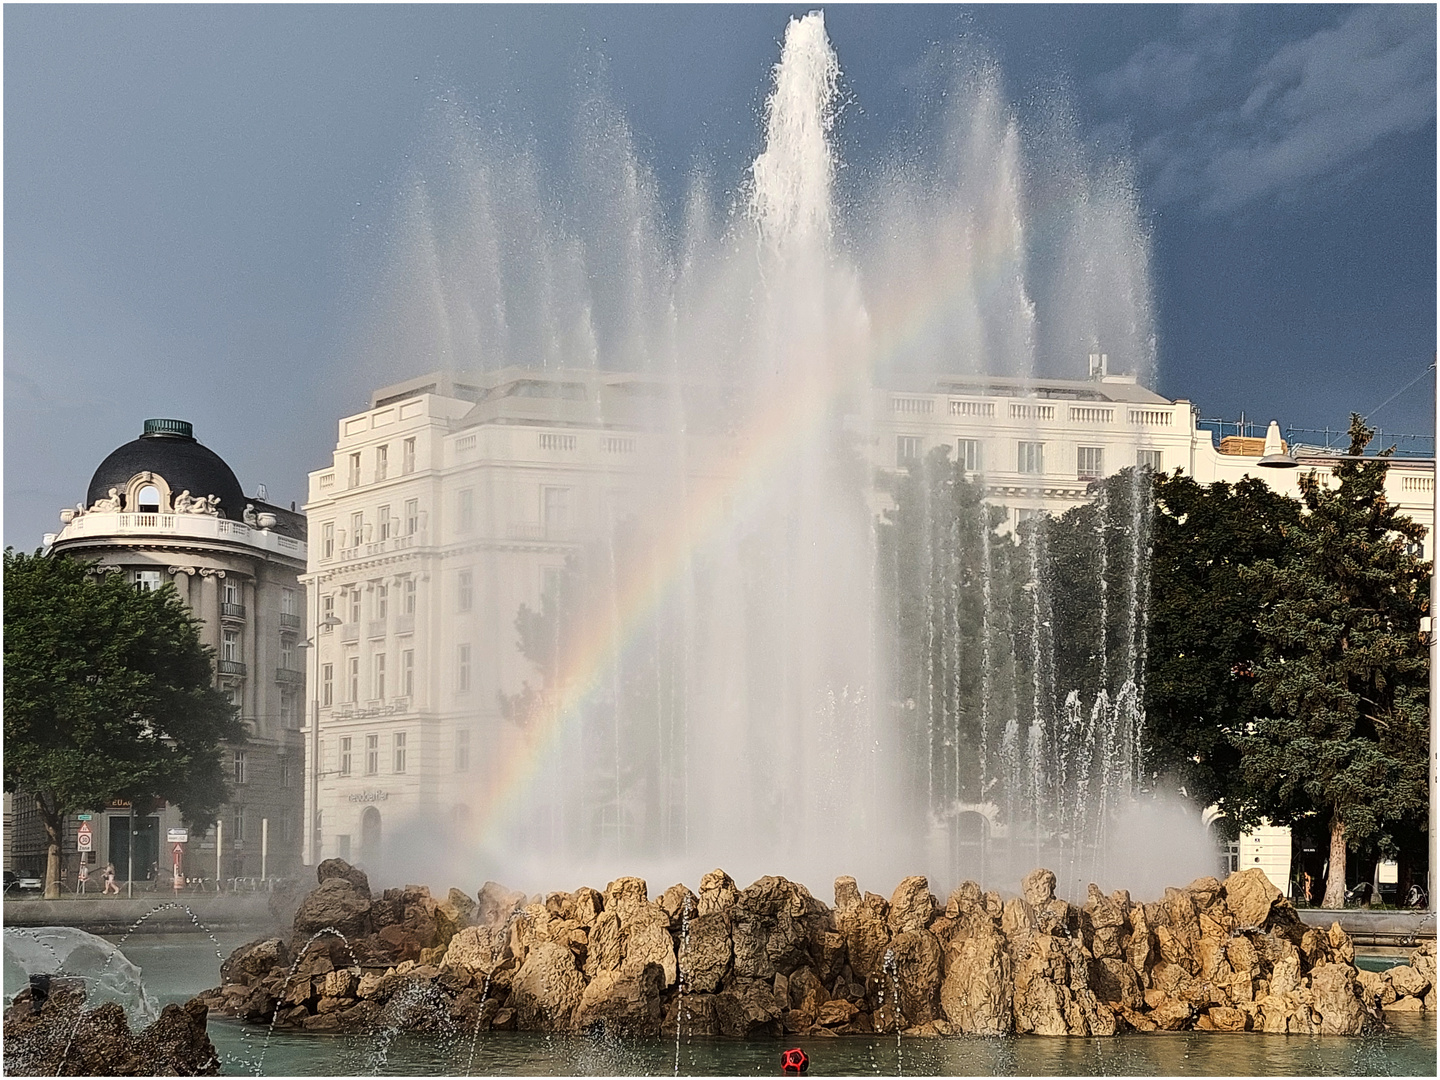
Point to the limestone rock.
(476, 948)
(679, 903)
(1038, 887)
(911, 907)
(546, 989)
(337, 903)
(588, 904)
(1406, 980)
(645, 939)
(866, 933)
(254, 960)
(495, 904)
(747, 1009)
(605, 949)
(1249, 896)
(706, 953)
(917, 965)
(836, 1013)
(977, 994)
(339, 868)
(1336, 1000)
(847, 893)
(625, 1002)
(717, 892)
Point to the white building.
(165, 509)
(451, 498)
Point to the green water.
(176, 966)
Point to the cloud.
(1228, 127)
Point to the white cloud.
(1233, 129)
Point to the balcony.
(404, 624)
(289, 677)
(375, 628)
(230, 667)
(202, 527)
(289, 622)
(232, 611)
(350, 631)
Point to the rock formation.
(61, 1038)
(771, 959)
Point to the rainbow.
(789, 421)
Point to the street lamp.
(312, 757)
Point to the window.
(289, 711)
(147, 580)
(232, 593)
(555, 508)
(378, 663)
(342, 845)
(327, 612)
(233, 696)
(287, 775)
(355, 470)
(1090, 462)
(908, 449)
(1148, 459)
(1030, 458)
(462, 668)
(382, 461)
(465, 511)
(238, 827)
(230, 645)
(409, 596)
(462, 750)
(552, 581)
(288, 606)
(968, 455)
(345, 755)
(407, 673)
(399, 751)
(382, 600)
(287, 653)
(354, 605)
(412, 516)
(372, 754)
(327, 684)
(148, 500)
(407, 456)
(464, 593)
(357, 528)
(1026, 514)
(383, 521)
(327, 540)
(287, 826)
(239, 766)
(354, 678)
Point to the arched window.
(148, 500)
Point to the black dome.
(168, 449)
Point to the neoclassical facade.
(453, 499)
(165, 509)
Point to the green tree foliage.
(1342, 667)
(109, 694)
(1204, 642)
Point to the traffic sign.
(84, 838)
(179, 851)
(177, 836)
(83, 817)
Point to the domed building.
(165, 509)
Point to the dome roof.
(168, 449)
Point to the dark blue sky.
(193, 196)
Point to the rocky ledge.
(60, 1039)
(772, 959)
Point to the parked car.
(22, 883)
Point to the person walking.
(83, 877)
(110, 885)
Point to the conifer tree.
(1342, 668)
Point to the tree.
(1342, 669)
(109, 694)
(1203, 641)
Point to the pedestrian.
(110, 885)
(84, 876)
(1309, 884)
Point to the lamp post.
(312, 755)
(1275, 458)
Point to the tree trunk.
(1335, 882)
(54, 822)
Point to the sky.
(199, 201)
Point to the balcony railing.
(375, 628)
(350, 631)
(289, 622)
(232, 611)
(289, 676)
(190, 526)
(404, 624)
(230, 667)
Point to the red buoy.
(794, 1061)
